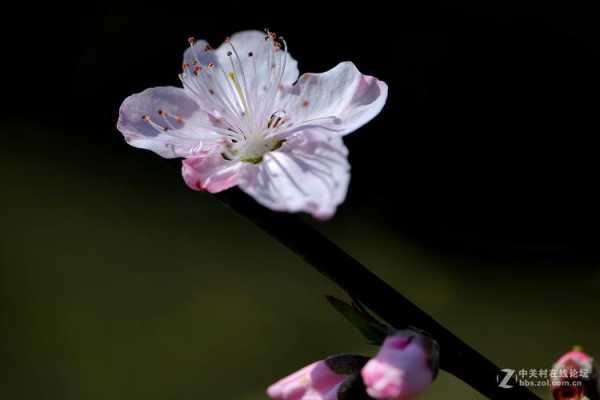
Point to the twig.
(456, 357)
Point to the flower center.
(252, 148)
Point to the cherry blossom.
(245, 118)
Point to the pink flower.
(320, 380)
(402, 369)
(574, 376)
(244, 118)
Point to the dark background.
(474, 192)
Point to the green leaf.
(373, 330)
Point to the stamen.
(247, 95)
(165, 114)
(154, 124)
(276, 119)
(171, 128)
(192, 42)
(238, 89)
(236, 106)
(278, 71)
(228, 107)
(308, 124)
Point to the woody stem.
(456, 357)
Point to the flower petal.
(276, 390)
(308, 173)
(165, 120)
(341, 100)
(210, 172)
(313, 382)
(257, 66)
(245, 72)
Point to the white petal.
(177, 132)
(308, 173)
(341, 100)
(244, 42)
(257, 66)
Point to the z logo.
(509, 373)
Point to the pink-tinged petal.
(400, 371)
(165, 120)
(313, 382)
(324, 379)
(574, 376)
(341, 100)
(576, 356)
(210, 172)
(308, 173)
(276, 390)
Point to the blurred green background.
(117, 282)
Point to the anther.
(229, 54)
(191, 40)
(250, 54)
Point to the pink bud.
(315, 382)
(573, 376)
(402, 369)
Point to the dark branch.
(456, 357)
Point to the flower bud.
(320, 380)
(404, 367)
(574, 377)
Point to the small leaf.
(372, 329)
(346, 364)
(353, 388)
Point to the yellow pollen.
(239, 90)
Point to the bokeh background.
(474, 193)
